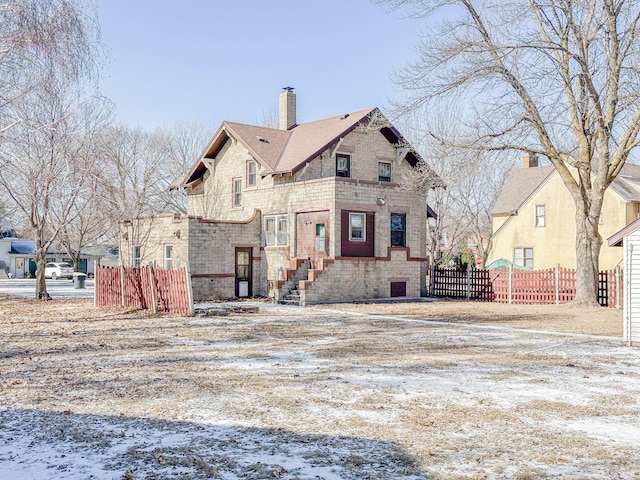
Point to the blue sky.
(218, 60)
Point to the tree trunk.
(588, 244)
(41, 260)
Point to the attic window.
(343, 165)
(262, 139)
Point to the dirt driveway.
(439, 390)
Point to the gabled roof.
(616, 239)
(520, 185)
(287, 151)
(627, 183)
(523, 182)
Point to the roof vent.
(346, 115)
(262, 139)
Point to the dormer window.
(343, 165)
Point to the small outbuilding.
(629, 239)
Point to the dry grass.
(427, 388)
(559, 318)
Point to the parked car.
(55, 270)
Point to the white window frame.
(347, 159)
(540, 215)
(168, 256)
(355, 228)
(237, 192)
(387, 178)
(276, 230)
(523, 256)
(321, 237)
(136, 256)
(252, 173)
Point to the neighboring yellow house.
(534, 217)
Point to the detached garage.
(629, 239)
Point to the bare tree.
(83, 224)
(473, 178)
(130, 184)
(177, 146)
(558, 78)
(47, 52)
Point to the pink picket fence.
(146, 288)
(555, 285)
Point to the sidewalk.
(61, 288)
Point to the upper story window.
(237, 192)
(398, 230)
(276, 230)
(523, 256)
(384, 172)
(168, 257)
(343, 165)
(357, 227)
(540, 216)
(252, 173)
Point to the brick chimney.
(287, 108)
(529, 160)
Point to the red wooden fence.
(555, 285)
(148, 288)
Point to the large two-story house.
(533, 218)
(313, 212)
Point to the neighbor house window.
(168, 257)
(384, 171)
(523, 256)
(237, 192)
(276, 230)
(357, 227)
(135, 256)
(540, 214)
(343, 165)
(398, 230)
(252, 173)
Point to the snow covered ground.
(313, 393)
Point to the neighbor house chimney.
(529, 160)
(287, 108)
